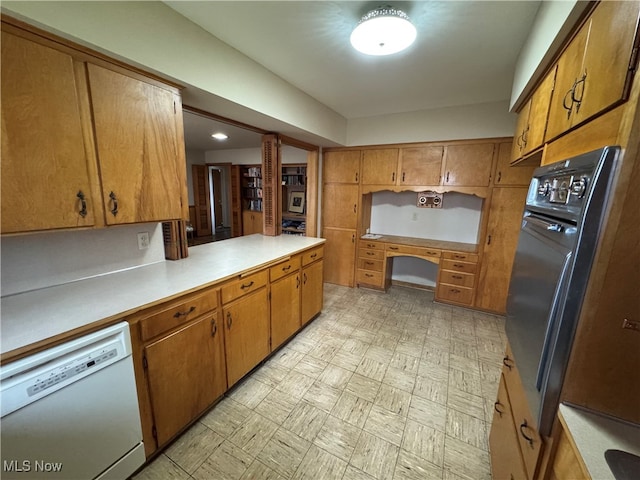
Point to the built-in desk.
(458, 264)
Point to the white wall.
(238, 156)
(484, 120)
(30, 262)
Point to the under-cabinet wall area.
(397, 213)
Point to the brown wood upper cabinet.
(380, 166)
(595, 71)
(85, 144)
(532, 119)
(468, 165)
(138, 152)
(341, 166)
(507, 175)
(46, 152)
(404, 166)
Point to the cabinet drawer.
(371, 254)
(373, 265)
(457, 278)
(366, 277)
(371, 245)
(284, 268)
(244, 285)
(410, 250)
(459, 266)
(174, 314)
(467, 257)
(312, 255)
(454, 293)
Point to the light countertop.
(30, 318)
(593, 434)
(424, 242)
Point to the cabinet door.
(312, 291)
(420, 166)
(44, 159)
(340, 205)
(539, 113)
(138, 151)
(606, 62)
(251, 222)
(186, 374)
(285, 309)
(339, 256)
(522, 125)
(506, 458)
(246, 324)
(468, 165)
(510, 175)
(503, 228)
(569, 66)
(341, 166)
(380, 167)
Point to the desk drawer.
(367, 277)
(459, 266)
(454, 293)
(397, 249)
(464, 256)
(457, 278)
(176, 313)
(371, 254)
(284, 268)
(312, 255)
(244, 286)
(374, 265)
(371, 245)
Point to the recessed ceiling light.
(383, 31)
(220, 136)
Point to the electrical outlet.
(143, 240)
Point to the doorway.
(220, 201)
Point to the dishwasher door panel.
(80, 429)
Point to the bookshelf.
(252, 188)
(294, 193)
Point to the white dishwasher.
(71, 412)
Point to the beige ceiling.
(465, 52)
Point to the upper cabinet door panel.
(538, 113)
(606, 62)
(44, 161)
(341, 166)
(522, 125)
(468, 165)
(420, 166)
(507, 175)
(380, 166)
(340, 206)
(136, 136)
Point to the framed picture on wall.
(296, 202)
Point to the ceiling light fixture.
(383, 31)
(220, 136)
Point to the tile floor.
(379, 386)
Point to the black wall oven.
(563, 217)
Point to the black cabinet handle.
(304, 278)
(114, 202)
(505, 362)
(246, 285)
(229, 320)
(183, 314)
(214, 328)
(495, 407)
(524, 425)
(287, 268)
(83, 204)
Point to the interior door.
(216, 176)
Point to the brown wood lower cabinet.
(312, 285)
(186, 374)
(251, 222)
(285, 308)
(457, 278)
(339, 258)
(506, 459)
(246, 323)
(512, 403)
